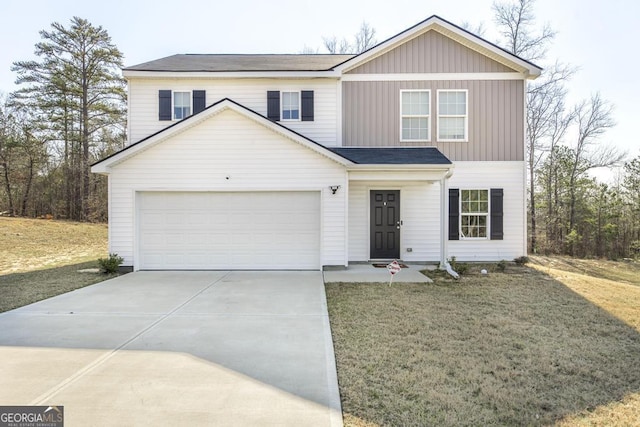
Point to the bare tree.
(364, 39)
(545, 121)
(478, 30)
(593, 118)
(516, 23)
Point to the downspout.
(444, 241)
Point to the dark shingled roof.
(393, 156)
(225, 62)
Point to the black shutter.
(454, 212)
(307, 105)
(199, 100)
(497, 214)
(164, 105)
(273, 105)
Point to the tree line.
(70, 111)
(569, 211)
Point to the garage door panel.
(257, 230)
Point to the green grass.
(20, 289)
(34, 244)
(41, 258)
(514, 348)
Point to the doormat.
(380, 265)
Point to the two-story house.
(412, 150)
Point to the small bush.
(459, 267)
(110, 265)
(501, 265)
(521, 260)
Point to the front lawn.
(41, 258)
(515, 348)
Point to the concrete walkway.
(367, 273)
(177, 348)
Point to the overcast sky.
(598, 36)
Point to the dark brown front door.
(385, 224)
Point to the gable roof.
(230, 63)
(324, 65)
(102, 166)
(454, 32)
(346, 156)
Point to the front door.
(385, 224)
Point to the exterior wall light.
(334, 188)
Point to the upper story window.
(414, 115)
(452, 115)
(290, 106)
(474, 213)
(181, 105)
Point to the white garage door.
(240, 230)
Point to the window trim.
(487, 215)
(282, 92)
(428, 116)
(173, 110)
(465, 116)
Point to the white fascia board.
(406, 77)
(231, 74)
(434, 23)
(428, 175)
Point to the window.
(474, 213)
(414, 112)
(181, 105)
(290, 105)
(452, 115)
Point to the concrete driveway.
(177, 348)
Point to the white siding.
(419, 211)
(252, 93)
(509, 176)
(227, 145)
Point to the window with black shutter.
(273, 105)
(164, 105)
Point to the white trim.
(466, 116)
(488, 215)
(339, 113)
(428, 116)
(282, 119)
(103, 166)
(231, 74)
(346, 217)
(173, 93)
(525, 222)
(405, 77)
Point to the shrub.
(110, 265)
(459, 267)
(521, 260)
(501, 265)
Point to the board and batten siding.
(510, 176)
(419, 212)
(227, 145)
(251, 93)
(371, 117)
(431, 52)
